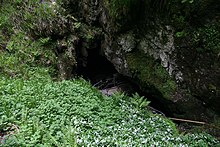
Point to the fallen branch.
(195, 122)
(189, 121)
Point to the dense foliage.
(30, 35)
(71, 113)
(36, 111)
(21, 53)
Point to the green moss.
(207, 38)
(198, 23)
(117, 8)
(150, 73)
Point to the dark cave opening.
(99, 70)
(97, 67)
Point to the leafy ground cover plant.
(22, 54)
(40, 112)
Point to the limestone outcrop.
(170, 49)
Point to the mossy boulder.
(151, 74)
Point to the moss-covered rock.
(172, 49)
(151, 74)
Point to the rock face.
(168, 55)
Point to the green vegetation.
(23, 55)
(209, 35)
(30, 33)
(44, 19)
(204, 38)
(37, 111)
(119, 8)
(70, 113)
(151, 74)
(190, 21)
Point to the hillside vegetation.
(72, 113)
(37, 46)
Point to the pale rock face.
(150, 44)
(161, 46)
(127, 42)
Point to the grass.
(40, 112)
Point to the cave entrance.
(103, 75)
(97, 67)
